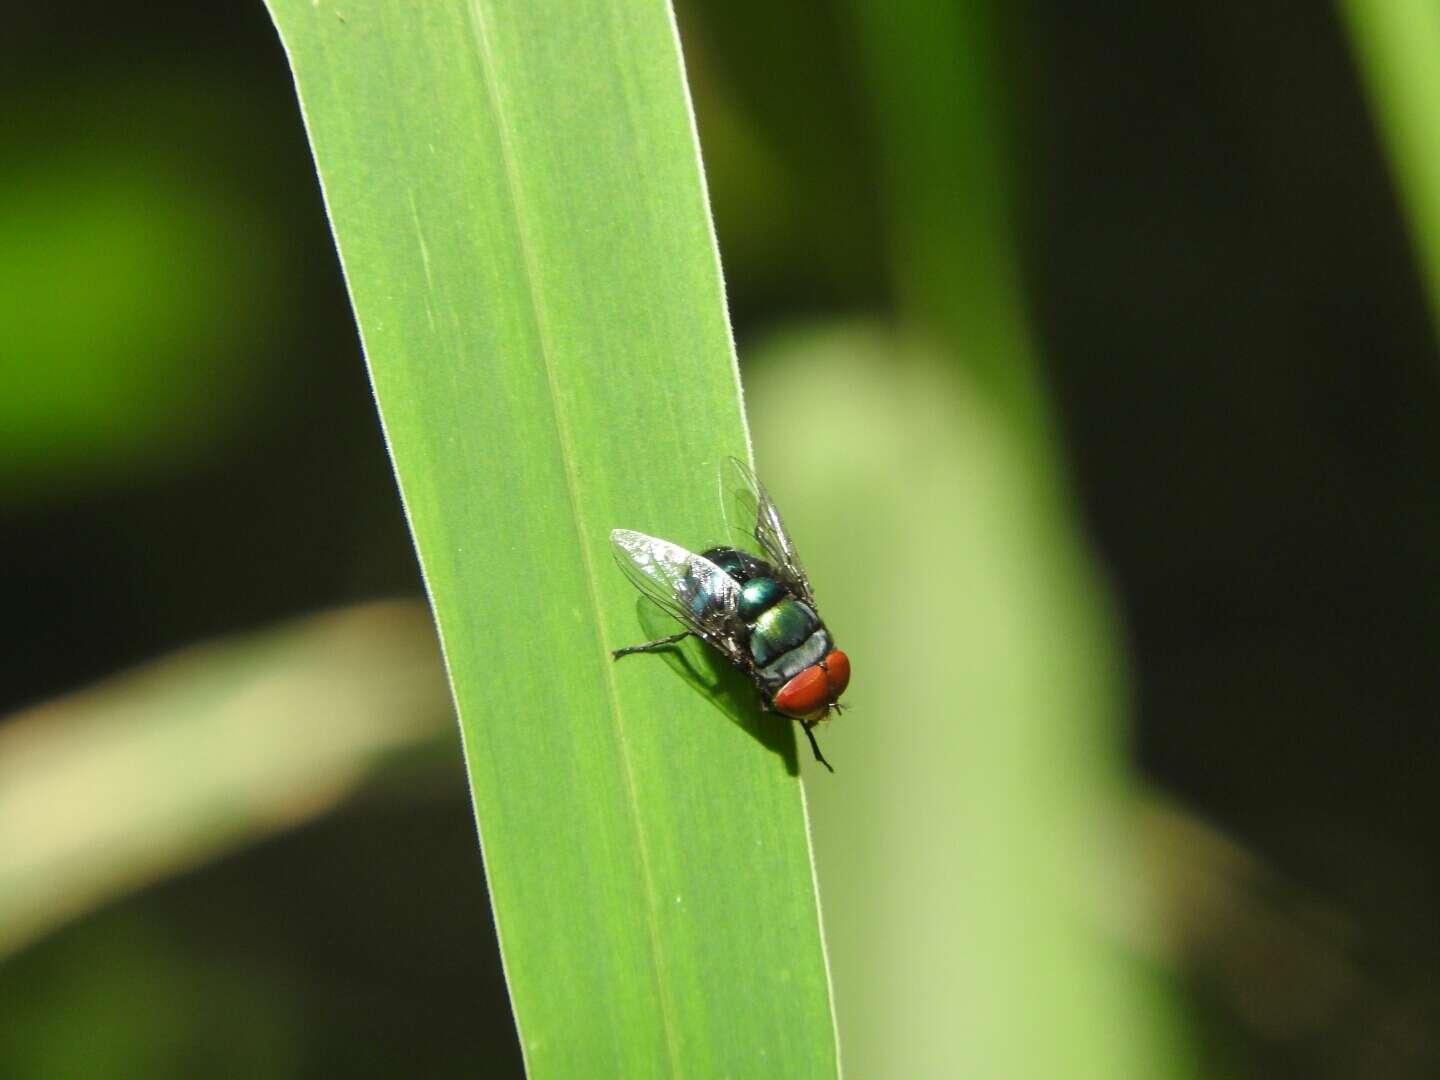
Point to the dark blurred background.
(1237, 349)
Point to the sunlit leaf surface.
(518, 203)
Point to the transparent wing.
(746, 502)
(689, 587)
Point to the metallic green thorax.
(786, 635)
(779, 629)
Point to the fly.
(758, 613)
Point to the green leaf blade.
(518, 203)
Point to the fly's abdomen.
(758, 595)
(704, 597)
(758, 590)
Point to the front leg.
(810, 734)
(651, 646)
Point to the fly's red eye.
(837, 671)
(816, 688)
(805, 694)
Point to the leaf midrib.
(513, 190)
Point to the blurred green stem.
(1008, 737)
(1397, 43)
(944, 130)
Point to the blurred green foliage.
(135, 293)
(1396, 43)
(958, 858)
(152, 1008)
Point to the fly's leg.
(810, 734)
(651, 646)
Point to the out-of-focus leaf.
(1398, 45)
(109, 789)
(942, 113)
(979, 808)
